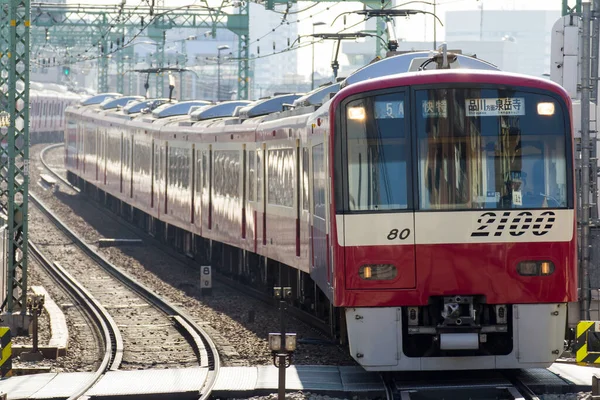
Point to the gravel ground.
(83, 351)
(224, 314)
(569, 396)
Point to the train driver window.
(490, 149)
(377, 153)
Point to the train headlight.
(378, 272)
(545, 108)
(356, 113)
(535, 268)
(546, 268)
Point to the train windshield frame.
(471, 147)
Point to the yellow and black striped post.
(6, 346)
(582, 354)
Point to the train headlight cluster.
(535, 268)
(356, 113)
(378, 272)
(545, 108)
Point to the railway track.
(310, 319)
(504, 386)
(111, 336)
(127, 334)
(479, 384)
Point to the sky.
(415, 28)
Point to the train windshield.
(490, 148)
(470, 148)
(378, 152)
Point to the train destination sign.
(434, 108)
(495, 107)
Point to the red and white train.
(427, 214)
(47, 111)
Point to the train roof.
(267, 106)
(412, 62)
(175, 109)
(136, 106)
(318, 96)
(99, 98)
(111, 103)
(224, 109)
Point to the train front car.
(454, 220)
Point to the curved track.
(113, 350)
(309, 319)
(201, 343)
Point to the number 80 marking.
(397, 234)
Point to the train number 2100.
(497, 224)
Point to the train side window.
(204, 170)
(305, 179)
(280, 168)
(318, 181)
(251, 175)
(259, 175)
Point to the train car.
(423, 207)
(48, 103)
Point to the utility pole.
(14, 160)
(568, 10)
(586, 147)
(87, 25)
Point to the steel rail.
(301, 315)
(56, 174)
(204, 348)
(113, 351)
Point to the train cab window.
(491, 149)
(377, 154)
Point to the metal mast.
(14, 162)
(586, 147)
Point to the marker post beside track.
(282, 344)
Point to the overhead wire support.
(14, 160)
(585, 162)
(100, 22)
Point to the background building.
(514, 40)
(530, 30)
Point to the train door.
(318, 215)
(262, 189)
(97, 152)
(121, 164)
(165, 171)
(132, 147)
(373, 171)
(210, 184)
(244, 192)
(194, 185)
(101, 156)
(298, 197)
(153, 172)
